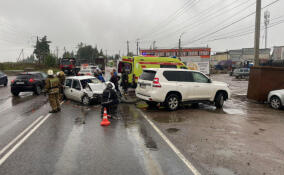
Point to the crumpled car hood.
(97, 88)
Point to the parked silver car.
(84, 89)
(276, 98)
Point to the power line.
(200, 18)
(222, 28)
(244, 33)
(170, 18)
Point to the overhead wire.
(198, 20)
(229, 25)
(170, 18)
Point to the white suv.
(173, 86)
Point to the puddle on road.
(171, 117)
(172, 130)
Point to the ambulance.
(134, 66)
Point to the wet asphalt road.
(64, 145)
(242, 138)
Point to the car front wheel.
(86, 100)
(172, 102)
(219, 100)
(37, 90)
(275, 102)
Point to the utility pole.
(22, 52)
(266, 23)
(137, 45)
(154, 45)
(179, 45)
(127, 42)
(257, 32)
(57, 49)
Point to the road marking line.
(172, 146)
(19, 136)
(6, 156)
(3, 159)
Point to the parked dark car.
(28, 82)
(241, 73)
(3, 79)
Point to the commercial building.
(278, 53)
(196, 58)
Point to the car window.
(148, 75)
(186, 76)
(198, 77)
(181, 76)
(172, 75)
(24, 76)
(44, 75)
(76, 85)
(68, 82)
(37, 76)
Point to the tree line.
(43, 55)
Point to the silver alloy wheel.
(275, 102)
(86, 100)
(173, 103)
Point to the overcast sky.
(110, 23)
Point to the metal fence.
(274, 63)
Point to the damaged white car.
(84, 89)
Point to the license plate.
(20, 82)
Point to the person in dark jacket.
(124, 81)
(109, 100)
(114, 79)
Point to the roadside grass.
(12, 68)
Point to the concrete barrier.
(262, 80)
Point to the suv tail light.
(156, 83)
(88, 74)
(31, 80)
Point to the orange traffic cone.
(105, 121)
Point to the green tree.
(50, 60)
(42, 49)
(68, 54)
(116, 56)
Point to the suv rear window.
(148, 75)
(24, 76)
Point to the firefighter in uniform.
(109, 101)
(52, 89)
(61, 78)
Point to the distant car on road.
(174, 86)
(276, 98)
(28, 82)
(241, 73)
(3, 79)
(84, 89)
(88, 72)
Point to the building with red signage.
(202, 52)
(196, 58)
